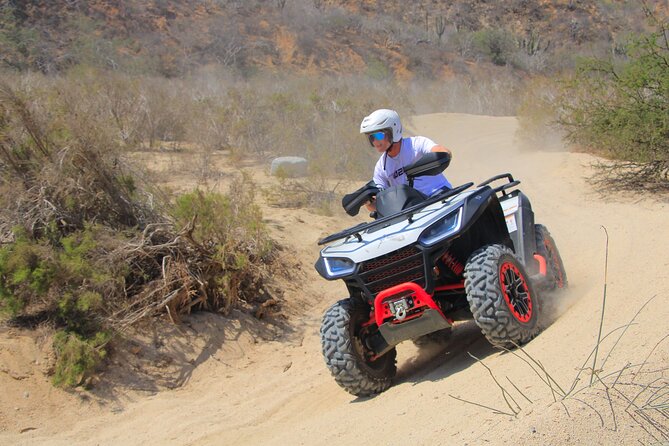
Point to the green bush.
(62, 281)
(377, 69)
(18, 47)
(26, 271)
(77, 357)
(229, 230)
(620, 109)
(496, 44)
(63, 278)
(231, 222)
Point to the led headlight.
(443, 228)
(338, 267)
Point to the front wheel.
(501, 297)
(353, 365)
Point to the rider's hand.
(371, 204)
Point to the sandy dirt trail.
(278, 391)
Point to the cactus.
(440, 26)
(532, 44)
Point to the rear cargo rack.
(408, 213)
(511, 182)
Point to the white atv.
(427, 262)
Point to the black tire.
(556, 276)
(501, 297)
(342, 339)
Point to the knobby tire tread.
(346, 366)
(486, 301)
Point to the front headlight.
(443, 228)
(338, 267)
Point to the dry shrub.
(92, 249)
(64, 169)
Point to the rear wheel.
(555, 273)
(352, 364)
(501, 297)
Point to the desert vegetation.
(91, 248)
(619, 107)
(615, 106)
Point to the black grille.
(404, 265)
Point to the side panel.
(519, 219)
(484, 222)
(486, 204)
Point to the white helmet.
(383, 119)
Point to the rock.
(289, 166)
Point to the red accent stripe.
(542, 264)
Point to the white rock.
(289, 166)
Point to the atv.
(424, 263)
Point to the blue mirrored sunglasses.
(376, 136)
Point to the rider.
(384, 131)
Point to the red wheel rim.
(516, 292)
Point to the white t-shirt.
(389, 171)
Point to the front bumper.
(423, 317)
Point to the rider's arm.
(422, 145)
(381, 180)
(440, 148)
(380, 177)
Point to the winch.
(399, 307)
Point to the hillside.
(388, 39)
(263, 386)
